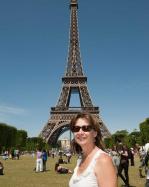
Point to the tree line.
(11, 137)
(137, 137)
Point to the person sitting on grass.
(1, 168)
(62, 170)
(61, 160)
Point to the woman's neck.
(88, 150)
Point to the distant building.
(65, 144)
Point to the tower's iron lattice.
(74, 80)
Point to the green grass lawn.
(19, 173)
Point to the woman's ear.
(95, 134)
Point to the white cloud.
(11, 110)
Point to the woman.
(95, 167)
(124, 165)
(39, 161)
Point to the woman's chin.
(82, 142)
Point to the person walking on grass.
(124, 165)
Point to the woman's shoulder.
(103, 158)
(104, 162)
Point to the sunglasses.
(85, 128)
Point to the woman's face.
(84, 133)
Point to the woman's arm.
(105, 171)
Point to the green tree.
(7, 135)
(134, 138)
(35, 142)
(109, 142)
(21, 139)
(144, 130)
(10, 137)
(3, 134)
(120, 136)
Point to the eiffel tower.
(74, 81)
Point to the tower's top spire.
(74, 3)
(74, 65)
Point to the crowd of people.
(12, 154)
(95, 166)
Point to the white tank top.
(87, 178)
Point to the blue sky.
(114, 41)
